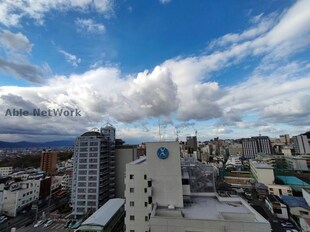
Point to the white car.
(41, 222)
(48, 223)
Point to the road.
(29, 217)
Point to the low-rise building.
(108, 218)
(19, 195)
(235, 149)
(297, 205)
(5, 171)
(262, 172)
(279, 190)
(276, 206)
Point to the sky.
(155, 69)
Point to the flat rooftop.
(139, 161)
(261, 165)
(211, 208)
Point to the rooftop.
(292, 201)
(139, 161)
(261, 165)
(292, 180)
(213, 208)
(91, 133)
(104, 214)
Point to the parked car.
(67, 224)
(39, 223)
(48, 223)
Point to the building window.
(150, 200)
(145, 190)
(131, 176)
(131, 190)
(132, 230)
(132, 204)
(145, 177)
(145, 204)
(132, 218)
(303, 213)
(146, 218)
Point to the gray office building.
(93, 180)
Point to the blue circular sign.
(162, 153)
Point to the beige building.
(160, 197)
(262, 172)
(235, 149)
(279, 190)
(5, 171)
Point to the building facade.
(20, 195)
(93, 179)
(5, 171)
(259, 144)
(301, 145)
(262, 172)
(48, 162)
(164, 193)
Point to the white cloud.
(15, 49)
(14, 41)
(70, 58)
(165, 1)
(89, 25)
(12, 12)
(276, 92)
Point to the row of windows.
(132, 218)
(132, 204)
(132, 190)
(131, 176)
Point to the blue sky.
(223, 69)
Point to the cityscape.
(101, 183)
(154, 116)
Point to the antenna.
(159, 132)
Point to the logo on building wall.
(162, 153)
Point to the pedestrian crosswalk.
(55, 227)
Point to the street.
(28, 218)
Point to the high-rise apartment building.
(167, 193)
(259, 144)
(93, 180)
(301, 145)
(48, 161)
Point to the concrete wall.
(123, 155)
(165, 174)
(188, 225)
(275, 190)
(135, 179)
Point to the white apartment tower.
(93, 179)
(301, 145)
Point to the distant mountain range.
(308, 134)
(25, 144)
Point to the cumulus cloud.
(277, 91)
(89, 25)
(12, 12)
(29, 72)
(14, 41)
(70, 58)
(16, 49)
